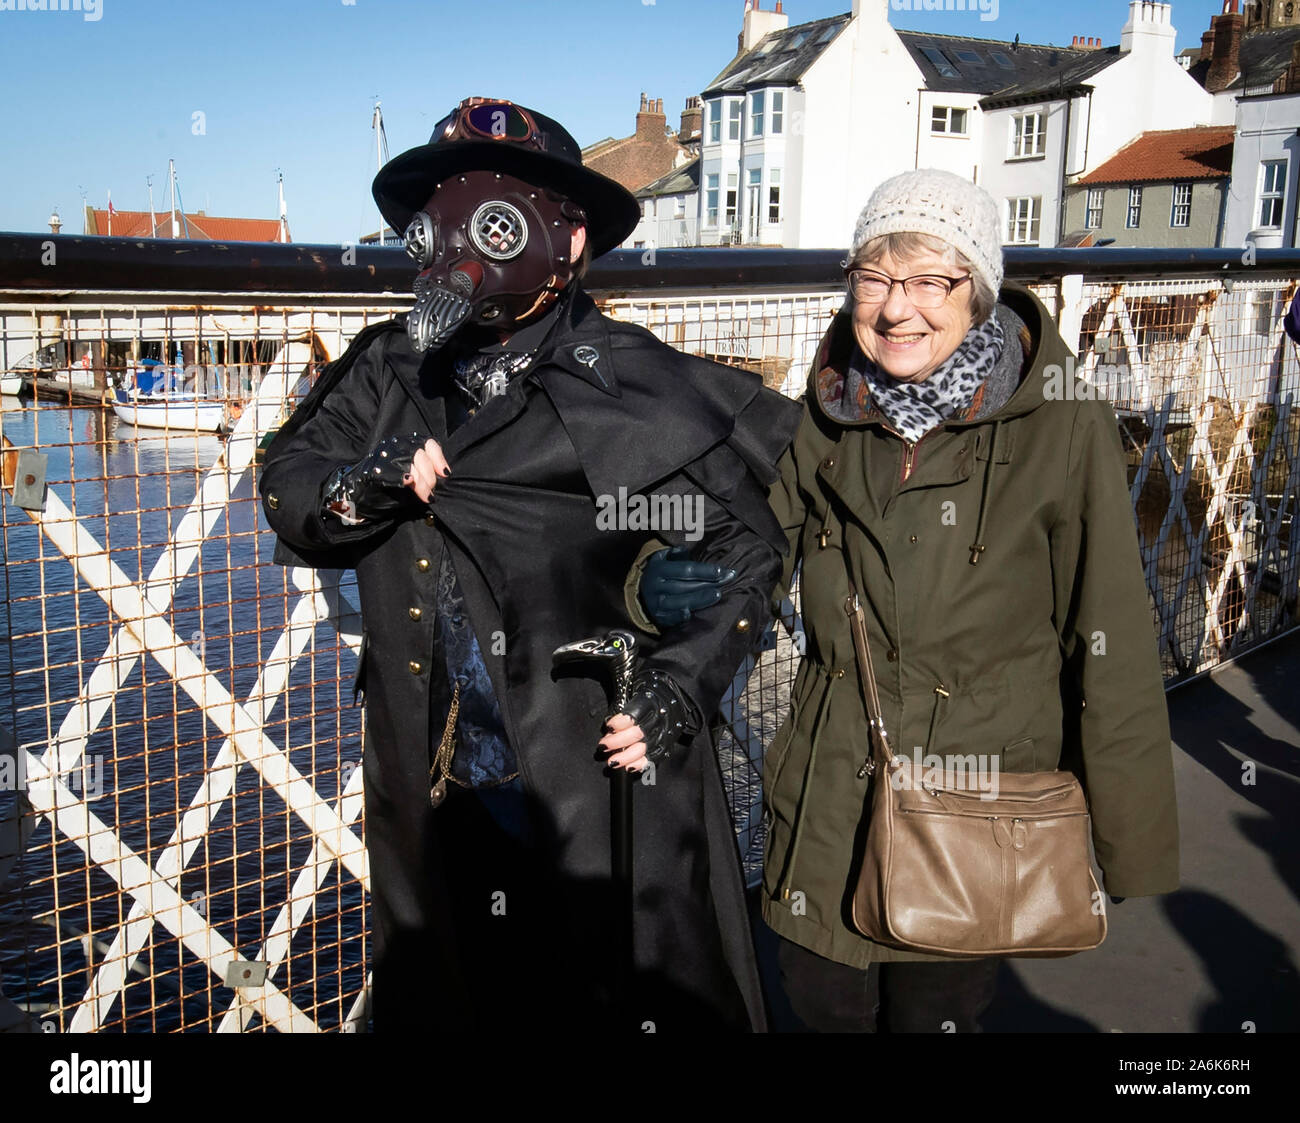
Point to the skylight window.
(1002, 60)
(965, 55)
(829, 33)
(941, 63)
(799, 40)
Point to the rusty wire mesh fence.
(180, 797)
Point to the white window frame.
(1094, 205)
(711, 199)
(715, 119)
(1028, 143)
(777, 126)
(946, 126)
(1272, 198)
(1024, 216)
(757, 112)
(679, 206)
(1133, 212)
(1181, 206)
(773, 195)
(734, 114)
(731, 201)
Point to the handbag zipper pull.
(868, 767)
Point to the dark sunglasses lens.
(497, 120)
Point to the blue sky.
(98, 105)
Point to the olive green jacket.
(1037, 650)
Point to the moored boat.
(170, 411)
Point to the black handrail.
(69, 263)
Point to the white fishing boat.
(187, 412)
(11, 384)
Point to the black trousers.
(831, 997)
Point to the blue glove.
(673, 587)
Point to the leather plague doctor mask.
(492, 250)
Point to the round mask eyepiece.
(421, 238)
(498, 231)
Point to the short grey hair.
(905, 244)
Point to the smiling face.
(906, 342)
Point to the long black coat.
(518, 514)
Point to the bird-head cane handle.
(616, 648)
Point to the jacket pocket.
(1020, 756)
(359, 675)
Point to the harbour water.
(153, 746)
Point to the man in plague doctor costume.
(465, 460)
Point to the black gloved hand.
(673, 587)
(663, 712)
(375, 486)
(1114, 900)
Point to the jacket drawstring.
(977, 547)
(819, 723)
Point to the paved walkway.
(1221, 954)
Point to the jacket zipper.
(909, 450)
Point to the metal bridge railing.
(180, 797)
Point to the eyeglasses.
(925, 290)
(478, 118)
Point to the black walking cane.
(616, 649)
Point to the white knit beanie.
(930, 201)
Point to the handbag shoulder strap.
(866, 669)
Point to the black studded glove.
(374, 487)
(663, 712)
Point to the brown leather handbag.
(949, 871)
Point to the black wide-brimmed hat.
(484, 134)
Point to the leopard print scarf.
(914, 408)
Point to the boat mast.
(171, 182)
(284, 216)
(381, 155)
(153, 221)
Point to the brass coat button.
(742, 625)
(273, 501)
(891, 655)
(428, 519)
(839, 673)
(829, 462)
(422, 564)
(416, 667)
(414, 613)
(913, 539)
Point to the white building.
(1260, 208)
(669, 210)
(1043, 135)
(1250, 63)
(806, 120)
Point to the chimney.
(55, 222)
(692, 121)
(1225, 58)
(1149, 30)
(651, 124)
(759, 23)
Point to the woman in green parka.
(978, 496)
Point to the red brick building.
(197, 226)
(650, 152)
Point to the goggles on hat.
(478, 118)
